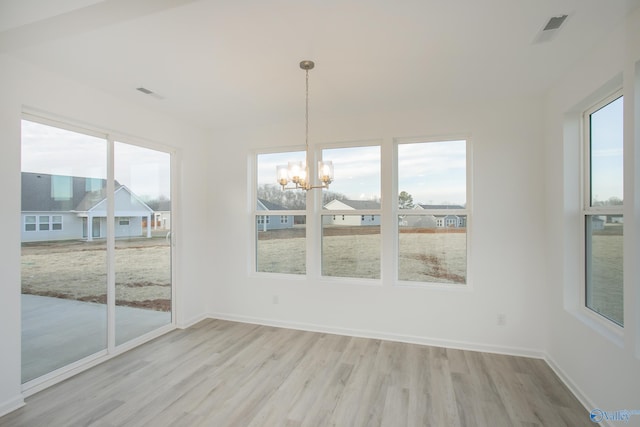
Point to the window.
(56, 222)
(281, 243)
(61, 187)
(432, 212)
(30, 223)
(43, 223)
(123, 221)
(603, 209)
(350, 242)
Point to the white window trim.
(47, 118)
(604, 325)
(341, 214)
(252, 202)
(467, 211)
(34, 223)
(388, 213)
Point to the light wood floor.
(220, 373)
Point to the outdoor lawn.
(77, 270)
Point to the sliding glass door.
(96, 245)
(142, 240)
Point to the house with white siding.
(351, 219)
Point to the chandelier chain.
(300, 173)
(306, 116)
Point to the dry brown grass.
(77, 270)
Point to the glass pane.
(356, 177)
(604, 256)
(270, 194)
(142, 228)
(64, 286)
(432, 175)
(351, 246)
(281, 244)
(432, 248)
(606, 155)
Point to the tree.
(292, 199)
(328, 196)
(405, 200)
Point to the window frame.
(588, 211)
(320, 212)
(466, 212)
(261, 218)
(388, 210)
(34, 223)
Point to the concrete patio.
(57, 332)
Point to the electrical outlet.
(501, 320)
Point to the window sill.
(602, 326)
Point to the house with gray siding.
(272, 222)
(60, 207)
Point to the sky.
(607, 152)
(433, 173)
(55, 151)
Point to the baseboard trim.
(190, 322)
(362, 333)
(573, 387)
(11, 405)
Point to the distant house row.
(60, 207)
(272, 222)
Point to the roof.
(356, 204)
(269, 206)
(43, 192)
(441, 206)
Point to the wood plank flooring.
(220, 373)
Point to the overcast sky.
(433, 173)
(606, 152)
(50, 150)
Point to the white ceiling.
(221, 62)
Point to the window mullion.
(111, 268)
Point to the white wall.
(506, 266)
(21, 85)
(603, 369)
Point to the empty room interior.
(454, 225)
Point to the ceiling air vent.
(149, 92)
(551, 28)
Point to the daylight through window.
(603, 215)
(432, 212)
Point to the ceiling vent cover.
(149, 92)
(551, 28)
(554, 23)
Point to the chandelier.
(299, 173)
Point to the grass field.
(77, 269)
(425, 255)
(605, 293)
